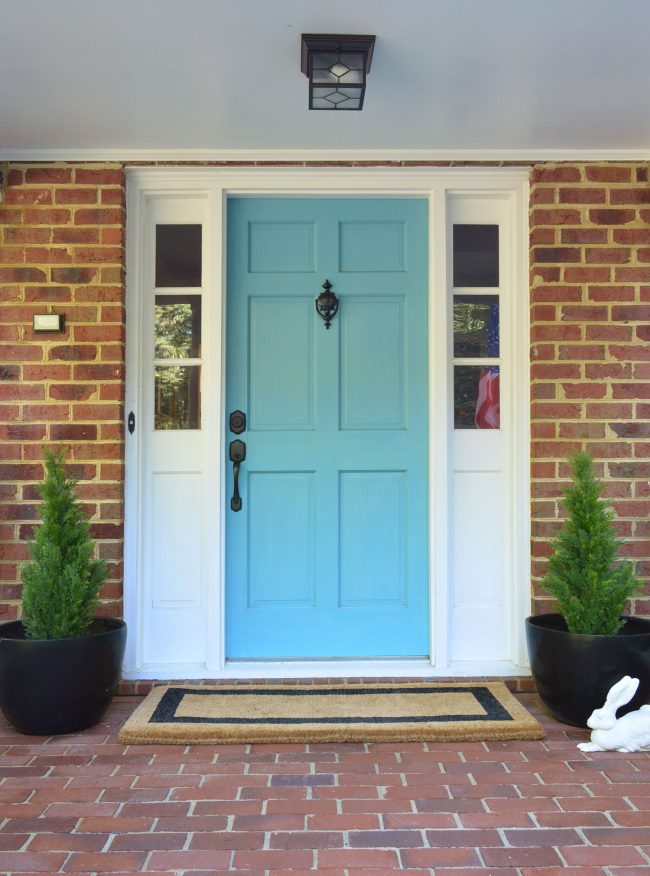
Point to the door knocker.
(327, 304)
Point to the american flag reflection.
(488, 412)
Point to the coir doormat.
(354, 712)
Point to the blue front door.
(328, 556)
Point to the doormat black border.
(165, 712)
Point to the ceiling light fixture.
(336, 66)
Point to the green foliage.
(62, 581)
(590, 587)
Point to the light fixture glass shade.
(337, 68)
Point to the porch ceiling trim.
(134, 156)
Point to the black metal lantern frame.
(336, 66)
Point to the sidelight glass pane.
(476, 255)
(178, 255)
(476, 397)
(178, 397)
(178, 326)
(476, 326)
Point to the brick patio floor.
(86, 804)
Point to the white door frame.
(437, 185)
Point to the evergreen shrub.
(590, 586)
(61, 583)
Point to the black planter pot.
(574, 672)
(50, 686)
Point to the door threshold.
(360, 668)
(376, 669)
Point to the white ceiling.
(221, 78)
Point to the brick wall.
(590, 356)
(61, 250)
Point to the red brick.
(584, 390)
(73, 275)
(608, 255)
(602, 856)
(583, 196)
(22, 392)
(73, 353)
(45, 216)
(82, 862)
(99, 176)
(112, 236)
(27, 235)
(537, 857)
(68, 842)
(584, 235)
(20, 352)
(587, 275)
(632, 275)
(367, 859)
(630, 390)
(50, 175)
(75, 235)
(98, 216)
(274, 859)
(596, 371)
(76, 196)
(22, 275)
(582, 430)
(555, 371)
(585, 352)
(32, 197)
(556, 333)
(76, 432)
(630, 196)
(47, 371)
(99, 333)
(631, 353)
(560, 217)
(543, 196)
(97, 254)
(583, 313)
(71, 391)
(609, 173)
(611, 292)
(609, 410)
(135, 842)
(559, 293)
(35, 862)
(440, 857)
(51, 294)
(608, 333)
(562, 254)
(631, 312)
(610, 450)
(612, 217)
(555, 174)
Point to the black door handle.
(237, 456)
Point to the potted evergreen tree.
(60, 665)
(578, 653)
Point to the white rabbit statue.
(630, 732)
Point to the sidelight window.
(476, 327)
(177, 327)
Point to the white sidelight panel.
(173, 511)
(484, 311)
